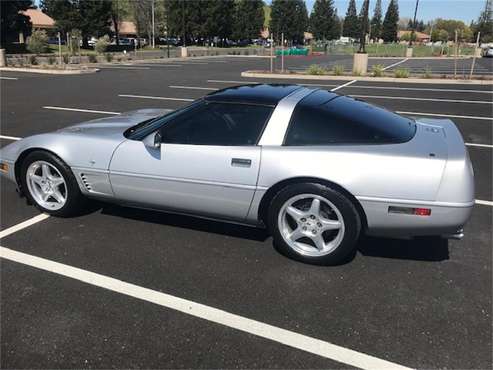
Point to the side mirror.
(153, 140)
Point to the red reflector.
(422, 211)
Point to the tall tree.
(376, 21)
(336, 29)
(186, 18)
(364, 25)
(12, 22)
(350, 26)
(389, 26)
(120, 9)
(289, 17)
(218, 18)
(248, 19)
(485, 23)
(322, 19)
(93, 17)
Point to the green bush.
(338, 70)
(38, 42)
(377, 70)
(102, 44)
(32, 60)
(401, 73)
(92, 58)
(51, 60)
(427, 72)
(315, 69)
(108, 57)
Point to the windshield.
(144, 128)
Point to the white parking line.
(343, 85)
(233, 82)
(162, 65)
(81, 110)
(9, 137)
(480, 145)
(445, 115)
(23, 225)
(116, 67)
(395, 64)
(423, 99)
(422, 89)
(8, 78)
(484, 202)
(263, 330)
(153, 97)
(193, 87)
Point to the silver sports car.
(316, 168)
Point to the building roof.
(253, 94)
(39, 19)
(419, 35)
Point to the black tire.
(350, 215)
(75, 199)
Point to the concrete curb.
(51, 71)
(362, 78)
(425, 58)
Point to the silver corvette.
(316, 168)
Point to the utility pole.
(153, 27)
(167, 30)
(413, 31)
(282, 52)
(455, 56)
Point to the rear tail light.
(410, 211)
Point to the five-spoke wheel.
(49, 184)
(314, 223)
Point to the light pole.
(414, 25)
(153, 27)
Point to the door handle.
(241, 162)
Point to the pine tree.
(248, 19)
(351, 27)
(289, 17)
(485, 23)
(218, 16)
(364, 25)
(335, 31)
(376, 21)
(389, 26)
(322, 19)
(12, 21)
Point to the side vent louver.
(85, 182)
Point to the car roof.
(260, 94)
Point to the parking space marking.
(153, 97)
(80, 110)
(422, 89)
(215, 315)
(162, 65)
(343, 85)
(423, 99)
(115, 67)
(9, 137)
(445, 115)
(233, 82)
(484, 202)
(23, 225)
(8, 78)
(396, 64)
(192, 87)
(480, 145)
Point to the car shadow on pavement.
(431, 249)
(187, 222)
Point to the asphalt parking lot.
(421, 304)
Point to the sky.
(464, 10)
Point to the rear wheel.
(50, 184)
(314, 223)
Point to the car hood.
(113, 127)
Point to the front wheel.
(314, 223)
(50, 184)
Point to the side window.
(218, 124)
(346, 121)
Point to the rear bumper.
(446, 219)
